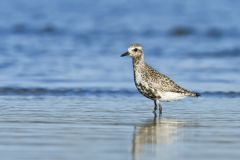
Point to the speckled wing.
(169, 85)
(164, 83)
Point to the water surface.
(65, 93)
(71, 127)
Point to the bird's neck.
(138, 62)
(138, 67)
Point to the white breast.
(138, 77)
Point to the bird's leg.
(159, 106)
(155, 106)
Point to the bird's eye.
(135, 50)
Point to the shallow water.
(65, 93)
(73, 127)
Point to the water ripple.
(95, 92)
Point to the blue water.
(66, 93)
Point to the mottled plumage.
(151, 83)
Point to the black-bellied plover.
(152, 84)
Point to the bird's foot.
(155, 110)
(154, 113)
(160, 110)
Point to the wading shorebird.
(152, 84)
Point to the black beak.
(125, 54)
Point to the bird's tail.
(192, 94)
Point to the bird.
(153, 84)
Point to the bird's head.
(134, 50)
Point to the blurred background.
(67, 94)
(76, 44)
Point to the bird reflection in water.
(154, 133)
